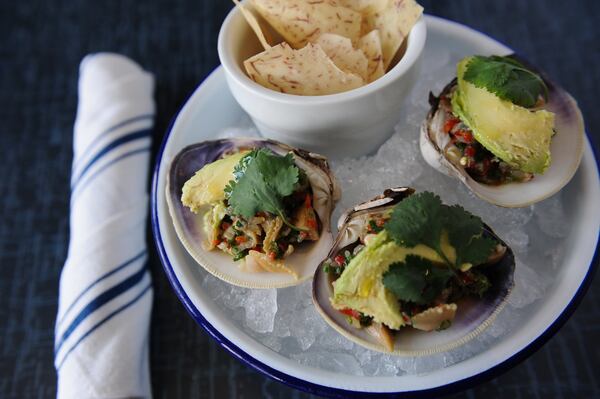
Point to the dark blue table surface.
(41, 44)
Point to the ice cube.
(337, 362)
(551, 217)
(306, 325)
(332, 340)
(260, 307)
(529, 286)
(517, 239)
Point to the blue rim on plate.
(342, 393)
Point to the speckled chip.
(308, 71)
(344, 55)
(370, 44)
(301, 21)
(394, 19)
(249, 16)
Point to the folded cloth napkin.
(101, 334)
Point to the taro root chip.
(307, 71)
(360, 5)
(254, 24)
(394, 19)
(302, 21)
(344, 55)
(370, 44)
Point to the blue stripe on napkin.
(114, 127)
(91, 177)
(100, 300)
(110, 146)
(104, 320)
(99, 279)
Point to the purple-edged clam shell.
(188, 225)
(566, 151)
(472, 317)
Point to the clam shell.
(566, 150)
(188, 225)
(472, 317)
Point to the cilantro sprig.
(507, 78)
(262, 179)
(423, 219)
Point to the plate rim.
(318, 389)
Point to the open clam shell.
(188, 225)
(472, 317)
(566, 151)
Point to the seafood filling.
(259, 206)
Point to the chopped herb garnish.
(444, 325)
(373, 227)
(237, 254)
(480, 284)
(348, 256)
(333, 268)
(364, 320)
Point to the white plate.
(211, 109)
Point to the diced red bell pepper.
(470, 151)
(466, 278)
(485, 166)
(449, 124)
(351, 313)
(339, 259)
(307, 201)
(464, 135)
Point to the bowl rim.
(314, 388)
(414, 48)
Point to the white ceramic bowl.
(352, 123)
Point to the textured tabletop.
(41, 44)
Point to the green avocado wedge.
(361, 285)
(519, 136)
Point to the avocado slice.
(360, 287)
(207, 186)
(518, 136)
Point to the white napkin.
(101, 335)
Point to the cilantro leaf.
(437, 277)
(280, 173)
(239, 170)
(416, 280)
(507, 78)
(261, 180)
(423, 219)
(417, 220)
(465, 235)
(477, 251)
